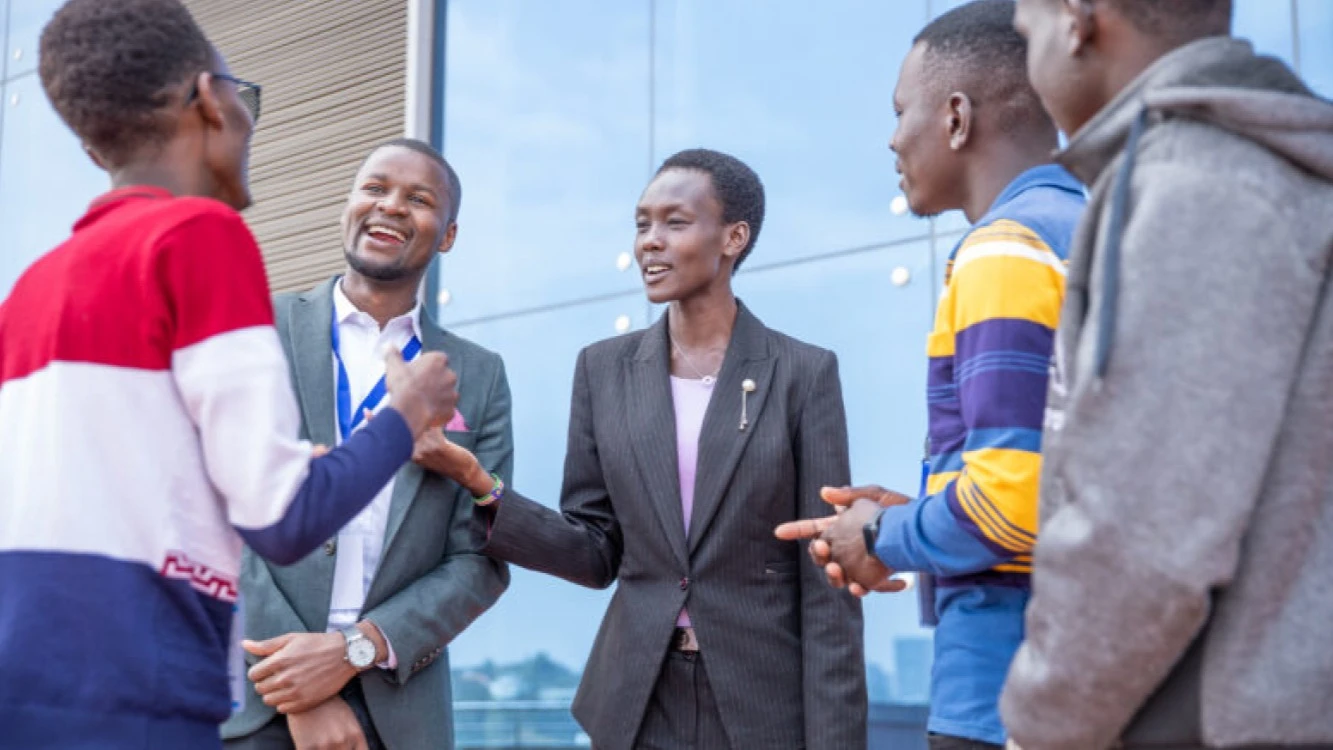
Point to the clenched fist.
(424, 391)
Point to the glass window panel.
(547, 125)
(951, 221)
(4, 44)
(938, 8)
(515, 669)
(853, 305)
(1266, 23)
(46, 181)
(26, 19)
(804, 94)
(1316, 22)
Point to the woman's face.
(681, 242)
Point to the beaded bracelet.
(497, 491)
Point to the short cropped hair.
(421, 147)
(978, 49)
(1177, 20)
(737, 187)
(107, 66)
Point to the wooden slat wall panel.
(334, 76)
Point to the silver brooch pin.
(747, 387)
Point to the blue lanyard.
(925, 591)
(925, 470)
(347, 419)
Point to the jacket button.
(684, 583)
(330, 547)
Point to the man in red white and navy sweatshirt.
(149, 424)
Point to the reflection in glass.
(1266, 23)
(555, 119)
(46, 180)
(532, 645)
(802, 93)
(547, 107)
(1316, 44)
(850, 305)
(5, 52)
(26, 19)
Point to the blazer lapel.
(408, 481)
(652, 423)
(312, 361)
(721, 441)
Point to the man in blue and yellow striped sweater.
(971, 135)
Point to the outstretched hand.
(838, 545)
(435, 451)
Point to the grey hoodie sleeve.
(1161, 461)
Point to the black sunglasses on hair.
(247, 91)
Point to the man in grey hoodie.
(1183, 580)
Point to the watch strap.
(870, 533)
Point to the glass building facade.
(555, 115)
(46, 181)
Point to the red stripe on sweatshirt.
(144, 274)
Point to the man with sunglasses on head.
(148, 422)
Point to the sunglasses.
(247, 92)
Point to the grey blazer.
(783, 649)
(431, 582)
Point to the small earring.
(747, 388)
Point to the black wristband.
(870, 533)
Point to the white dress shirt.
(362, 344)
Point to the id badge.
(236, 655)
(925, 582)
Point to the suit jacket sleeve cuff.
(391, 663)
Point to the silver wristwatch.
(360, 650)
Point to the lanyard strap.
(925, 469)
(347, 419)
(925, 582)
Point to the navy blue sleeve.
(338, 486)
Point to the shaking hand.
(838, 544)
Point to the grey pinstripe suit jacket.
(783, 649)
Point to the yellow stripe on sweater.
(999, 493)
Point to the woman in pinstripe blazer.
(719, 635)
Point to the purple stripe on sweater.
(939, 372)
(1006, 399)
(999, 520)
(1002, 334)
(947, 430)
(1008, 579)
(972, 499)
(970, 526)
(950, 442)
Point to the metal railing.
(548, 725)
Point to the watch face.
(361, 653)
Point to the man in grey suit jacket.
(348, 645)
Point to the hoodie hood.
(1219, 80)
(1222, 81)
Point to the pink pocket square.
(457, 423)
